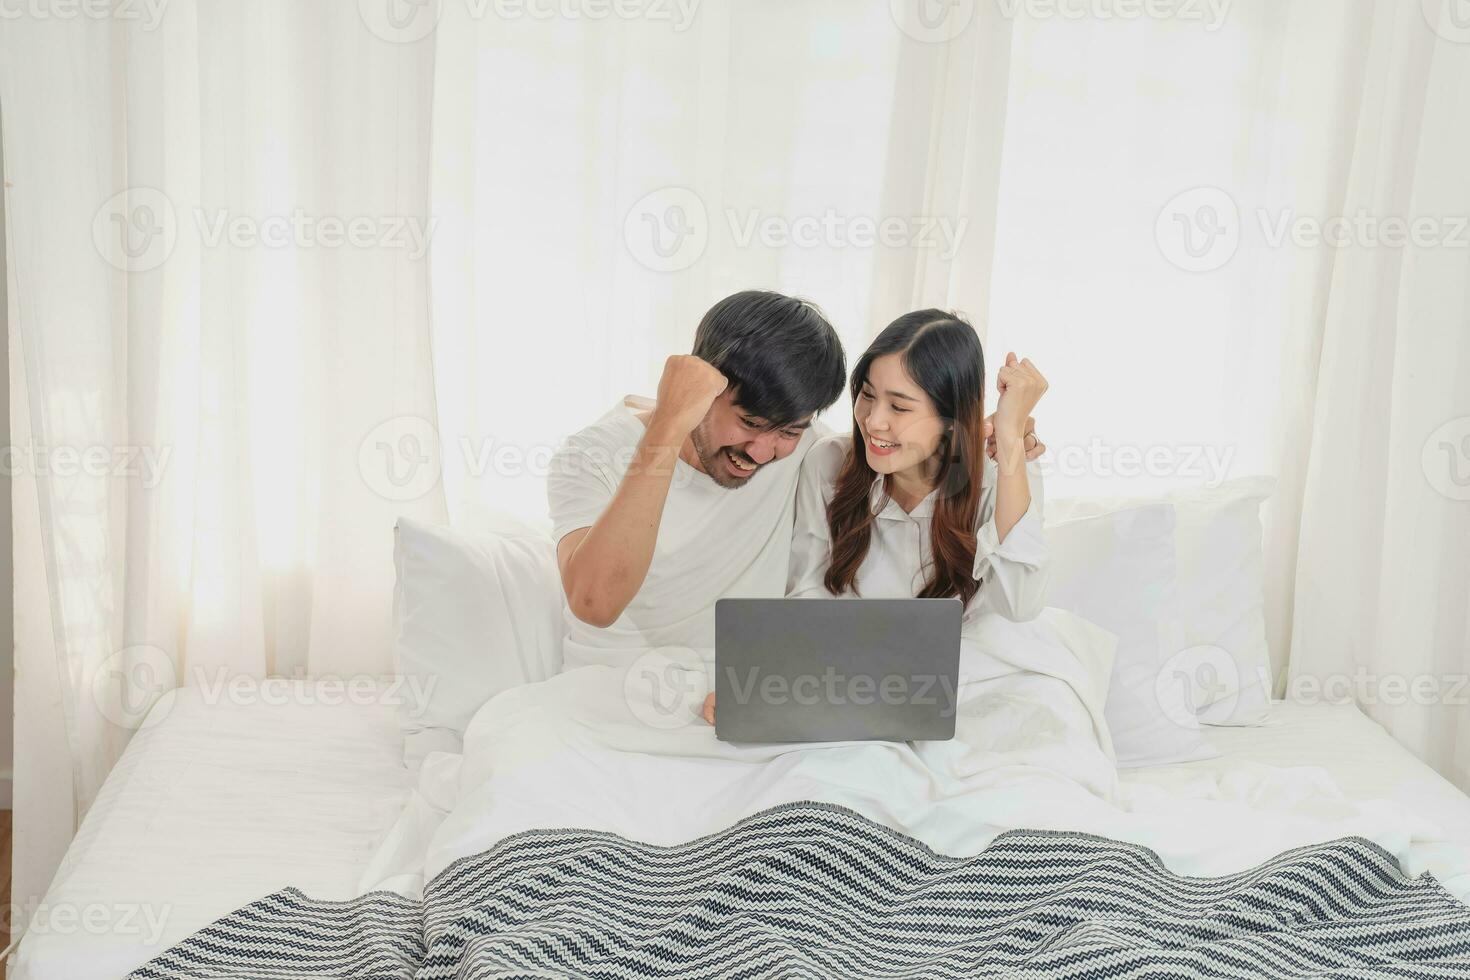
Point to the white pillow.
(1117, 570)
(1222, 660)
(473, 614)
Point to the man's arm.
(603, 566)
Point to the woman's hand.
(1021, 387)
(709, 708)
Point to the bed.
(497, 808)
(218, 804)
(212, 806)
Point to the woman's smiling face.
(900, 426)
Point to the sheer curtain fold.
(220, 317)
(1383, 571)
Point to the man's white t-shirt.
(713, 542)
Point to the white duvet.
(590, 749)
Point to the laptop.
(823, 670)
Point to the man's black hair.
(782, 357)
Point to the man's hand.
(1034, 446)
(709, 708)
(686, 391)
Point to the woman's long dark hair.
(942, 354)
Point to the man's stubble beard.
(712, 460)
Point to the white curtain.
(1090, 189)
(1382, 610)
(219, 316)
(598, 183)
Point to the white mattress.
(221, 804)
(211, 808)
(1362, 758)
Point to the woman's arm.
(1013, 573)
(1021, 387)
(1010, 549)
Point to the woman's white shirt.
(1013, 572)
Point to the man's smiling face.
(733, 444)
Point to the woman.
(910, 505)
(920, 510)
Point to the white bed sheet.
(1364, 761)
(221, 804)
(213, 807)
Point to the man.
(659, 509)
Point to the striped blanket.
(818, 891)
